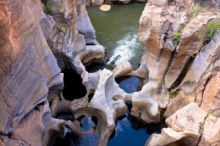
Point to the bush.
(47, 6)
(177, 36)
(213, 27)
(172, 95)
(195, 9)
(213, 114)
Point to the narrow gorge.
(144, 73)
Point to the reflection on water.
(72, 139)
(95, 67)
(117, 30)
(129, 131)
(87, 123)
(129, 85)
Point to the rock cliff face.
(188, 67)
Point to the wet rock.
(183, 128)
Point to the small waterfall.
(125, 49)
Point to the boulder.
(183, 128)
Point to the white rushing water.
(125, 49)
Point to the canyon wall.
(39, 39)
(32, 33)
(185, 68)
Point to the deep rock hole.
(73, 87)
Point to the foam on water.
(125, 49)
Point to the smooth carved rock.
(44, 130)
(211, 135)
(96, 52)
(122, 68)
(107, 105)
(183, 128)
(83, 23)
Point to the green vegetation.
(177, 36)
(172, 95)
(213, 114)
(47, 6)
(195, 9)
(213, 27)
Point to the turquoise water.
(117, 30)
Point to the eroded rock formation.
(39, 39)
(187, 67)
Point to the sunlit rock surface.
(183, 128)
(210, 132)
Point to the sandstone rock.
(210, 136)
(211, 102)
(183, 128)
(122, 68)
(177, 103)
(205, 57)
(190, 44)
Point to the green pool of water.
(117, 30)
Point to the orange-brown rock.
(210, 136)
(183, 128)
